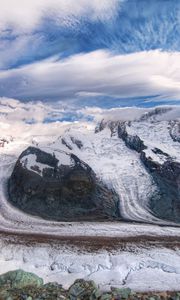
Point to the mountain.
(60, 186)
(127, 168)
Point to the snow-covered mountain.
(60, 187)
(138, 160)
(133, 152)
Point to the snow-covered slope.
(119, 164)
(119, 153)
(116, 160)
(116, 165)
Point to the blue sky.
(105, 53)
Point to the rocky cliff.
(164, 170)
(125, 166)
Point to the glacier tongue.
(118, 167)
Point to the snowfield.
(140, 267)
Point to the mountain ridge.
(139, 160)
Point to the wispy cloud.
(31, 30)
(77, 51)
(24, 16)
(99, 73)
(34, 30)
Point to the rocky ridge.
(131, 165)
(163, 167)
(59, 186)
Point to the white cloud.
(130, 113)
(13, 110)
(14, 117)
(22, 31)
(25, 15)
(114, 114)
(96, 74)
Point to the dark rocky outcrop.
(166, 203)
(154, 113)
(77, 142)
(165, 172)
(5, 141)
(101, 126)
(132, 141)
(62, 192)
(118, 127)
(66, 144)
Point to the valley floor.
(142, 264)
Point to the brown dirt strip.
(93, 243)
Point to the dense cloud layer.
(14, 112)
(97, 75)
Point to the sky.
(98, 53)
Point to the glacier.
(142, 245)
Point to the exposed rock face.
(77, 142)
(132, 141)
(5, 141)
(60, 187)
(165, 172)
(167, 176)
(158, 111)
(100, 126)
